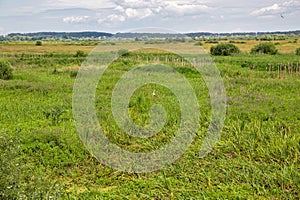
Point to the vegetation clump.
(5, 70)
(224, 49)
(38, 43)
(265, 48)
(198, 43)
(80, 54)
(123, 52)
(298, 51)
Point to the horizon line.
(173, 33)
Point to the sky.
(135, 15)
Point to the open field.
(42, 157)
(284, 46)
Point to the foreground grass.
(256, 158)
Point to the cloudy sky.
(127, 15)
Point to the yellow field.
(18, 49)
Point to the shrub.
(198, 44)
(298, 51)
(80, 53)
(73, 74)
(38, 43)
(123, 52)
(5, 70)
(265, 48)
(237, 42)
(212, 41)
(246, 64)
(224, 49)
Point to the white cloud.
(89, 4)
(120, 9)
(127, 14)
(116, 18)
(138, 14)
(131, 12)
(137, 4)
(185, 9)
(78, 19)
(111, 19)
(287, 7)
(267, 10)
(292, 3)
(140, 9)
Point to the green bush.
(265, 48)
(212, 41)
(80, 54)
(298, 51)
(5, 70)
(73, 74)
(198, 44)
(38, 43)
(123, 52)
(224, 49)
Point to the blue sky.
(126, 15)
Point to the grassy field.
(284, 46)
(42, 157)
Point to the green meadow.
(42, 156)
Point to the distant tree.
(5, 70)
(224, 49)
(265, 48)
(298, 51)
(38, 43)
